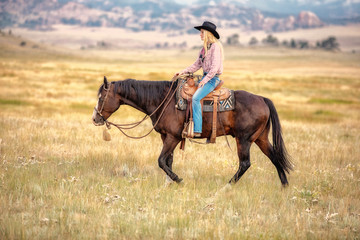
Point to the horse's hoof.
(168, 181)
(178, 180)
(232, 181)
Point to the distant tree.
(285, 43)
(233, 39)
(23, 44)
(329, 44)
(303, 44)
(271, 40)
(293, 43)
(253, 41)
(101, 44)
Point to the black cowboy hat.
(209, 26)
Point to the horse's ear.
(105, 82)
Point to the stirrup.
(197, 134)
(186, 135)
(188, 131)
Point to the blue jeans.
(198, 95)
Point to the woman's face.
(202, 34)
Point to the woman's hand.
(201, 84)
(176, 74)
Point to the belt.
(216, 75)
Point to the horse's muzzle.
(97, 119)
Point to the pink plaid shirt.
(212, 64)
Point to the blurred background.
(84, 24)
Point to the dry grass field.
(60, 180)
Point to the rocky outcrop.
(157, 16)
(308, 19)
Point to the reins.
(128, 126)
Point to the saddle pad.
(224, 105)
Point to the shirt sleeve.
(195, 66)
(215, 62)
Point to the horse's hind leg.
(243, 149)
(268, 150)
(166, 157)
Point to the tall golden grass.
(59, 180)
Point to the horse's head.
(107, 104)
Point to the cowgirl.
(211, 61)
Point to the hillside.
(148, 15)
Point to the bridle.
(103, 103)
(127, 126)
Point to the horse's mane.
(147, 92)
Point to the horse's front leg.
(166, 157)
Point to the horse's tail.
(279, 153)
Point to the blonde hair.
(210, 38)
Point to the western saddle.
(218, 94)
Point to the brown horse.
(249, 122)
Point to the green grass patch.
(324, 113)
(15, 102)
(330, 101)
(81, 107)
(324, 116)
